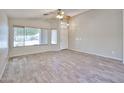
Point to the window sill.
(31, 45)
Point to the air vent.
(45, 14)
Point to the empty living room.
(61, 46)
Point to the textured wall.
(98, 32)
(3, 42)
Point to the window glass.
(32, 36)
(26, 36)
(19, 36)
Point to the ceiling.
(39, 13)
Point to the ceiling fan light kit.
(60, 14)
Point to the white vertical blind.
(26, 36)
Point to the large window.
(26, 36)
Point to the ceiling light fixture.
(60, 14)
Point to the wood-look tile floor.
(63, 66)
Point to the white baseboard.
(28, 53)
(3, 69)
(100, 55)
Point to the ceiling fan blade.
(67, 17)
(49, 13)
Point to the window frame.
(24, 36)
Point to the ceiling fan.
(59, 14)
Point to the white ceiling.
(38, 13)
(74, 12)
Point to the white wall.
(123, 36)
(63, 29)
(97, 32)
(40, 23)
(63, 35)
(3, 42)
